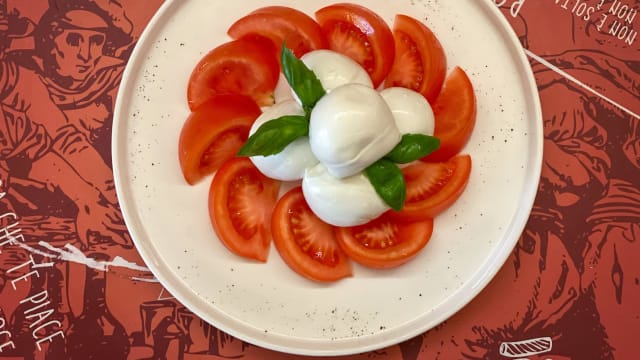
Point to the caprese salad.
(335, 136)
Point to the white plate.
(268, 304)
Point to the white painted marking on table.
(579, 83)
(73, 254)
(162, 295)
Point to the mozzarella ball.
(411, 111)
(334, 69)
(348, 201)
(350, 128)
(291, 162)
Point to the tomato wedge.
(385, 242)
(244, 67)
(214, 133)
(241, 202)
(420, 63)
(455, 115)
(433, 187)
(306, 243)
(281, 24)
(360, 34)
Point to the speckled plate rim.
(317, 347)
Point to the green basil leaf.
(413, 147)
(274, 135)
(302, 80)
(387, 179)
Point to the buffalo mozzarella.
(348, 201)
(291, 162)
(334, 69)
(412, 112)
(350, 128)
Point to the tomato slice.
(214, 133)
(385, 242)
(420, 63)
(360, 34)
(433, 187)
(306, 243)
(281, 24)
(243, 66)
(455, 115)
(241, 202)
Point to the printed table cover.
(72, 286)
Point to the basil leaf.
(387, 179)
(274, 135)
(413, 147)
(302, 80)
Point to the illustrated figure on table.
(42, 126)
(80, 56)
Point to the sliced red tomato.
(455, 115)
(360, 34)
(241, 202)
(433, 187)
(420, 63)
(385, 242)
(214, 133)
(244, 67)
(306, 243)
(281, 24)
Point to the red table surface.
(570, 289)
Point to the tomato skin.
(243, 67)
(306, 243)
(455, 115)
(241, 202)
(385, 242)
(360, 34)
(433, 187)
(281, 24)
(214, 133)
(420, 63)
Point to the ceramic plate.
(268, 304)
